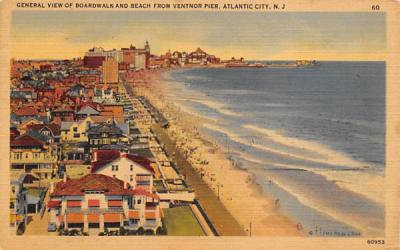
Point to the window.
(116, 167)
(131, 178)
(134, 221)
(13, 189)
(114, 176)
(139, 201)
(131, 167)
(77, 135)
(75, 129)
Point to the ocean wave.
(239, 92)
(365, 187)
(369, 225)
(201, 78)
(326, 154)
(217, 106)
(178, 90)
(365, 183)
(343, 162)
(271, 105)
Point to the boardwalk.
(224, 222)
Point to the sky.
(257, 36)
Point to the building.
(63, 113)
(197, 57)
(93, 61)
(18, 202)
(75, 131)
(201, 57)
(140, 61)
(86, 111)
(102, 202)
(51, 131)
(132, 169)
(110, 70)
(31, 155)
(106, 133)
(98, 52)
(132, 53)
(114, 110)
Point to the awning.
(53, 204)
(60, 218)
(112, 217)
(93, 218)
(115, 203)
(150, 215)
(134, 214)
(94, 203)
(74, 218)
(73, 203)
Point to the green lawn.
(180, 221)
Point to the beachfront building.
(132, 169)
(132, 53)
(30, 155)
(102, 202)
(201, 57)
(110, 71)
(140, 61)
(100, 52)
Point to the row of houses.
(73, 140)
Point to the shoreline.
(238, 191)
(358, 183)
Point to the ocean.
(312, 137)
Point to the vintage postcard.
(200, 124)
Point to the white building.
(135, 170)
(140, 61)
(98, 51)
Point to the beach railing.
(207, 219)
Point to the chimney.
(125, 185)
(65, 177)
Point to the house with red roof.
(63, 113)
(100, 202)
(135, 170)
(26, 111)
(51, 131)
(31, 155)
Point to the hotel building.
(100, 202)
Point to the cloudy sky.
(271, 36)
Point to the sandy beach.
(236, 188)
